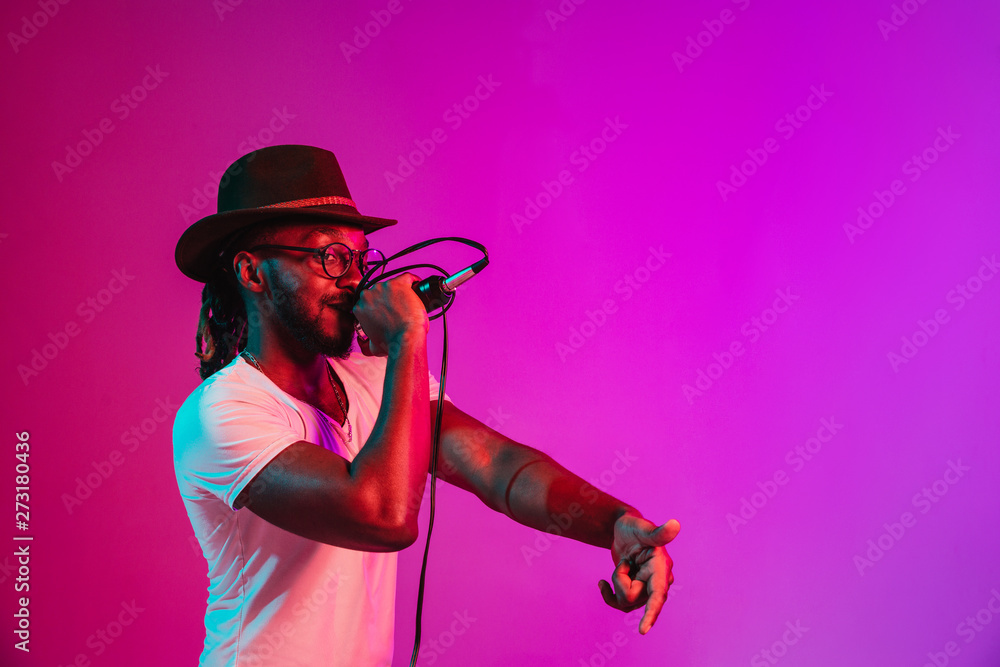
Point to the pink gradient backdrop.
(617, 396)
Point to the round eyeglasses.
(337, 258)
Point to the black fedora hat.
(270, 183)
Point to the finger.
(365, 345)
(653, 606)
(607, 594)
(623, 592)
(658, 585)
(620, 578)
(373, 350)
(665, 533)
(613, 600)
(622, 569)
(648, 572)
(627, 589)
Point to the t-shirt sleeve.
(222, 441)
(435, 388)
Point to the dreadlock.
(222, 325)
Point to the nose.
(350, 280)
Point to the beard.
(293, 312)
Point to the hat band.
(315, 201)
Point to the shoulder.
(234, 382)
(230, 395)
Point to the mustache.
(345, 305)
(342, 302)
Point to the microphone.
(436, 292)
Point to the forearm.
(544, 495)
(524, 483)
(392, 465)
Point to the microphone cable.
(377, 274)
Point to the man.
(302, 465)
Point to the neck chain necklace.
(336, 391)
(340, 401)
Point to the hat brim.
(198, 249)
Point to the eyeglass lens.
(337, 259)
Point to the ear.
(249, 272)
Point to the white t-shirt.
(275, 598)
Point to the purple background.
(550, 342)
